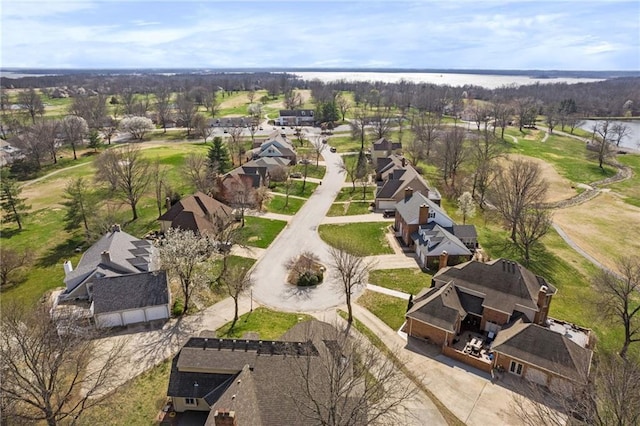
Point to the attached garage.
(536, 376)
(130, 299)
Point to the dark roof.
(261, 371)
(384, 144)
(198, 385)
(470, 303)
(396, 180)
(112, 294)
(437, 240)
(296, 113)
(196, 212)
(440, 307)
(544, 348)
(465, 232)
(504, 284)
(409, 208)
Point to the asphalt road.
(269, 274)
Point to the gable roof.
(435, 239)
(503, 284)
(384, 144)
(544, 348)
(397, 179)
(195, 212)
(126, 255)
(439, 307)
(131, 291)
(409, 208)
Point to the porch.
(471, 348)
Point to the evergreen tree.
(95, 141)
(218, 156)
(81, 204)
(13, 207)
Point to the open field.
(362, 239)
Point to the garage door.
(131, 317)
(157, 312)
(109, 320)
(536, 376)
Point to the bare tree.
(451, 153)
(611, 396)
(351, 271)
(92, 108)
(184, 255)
(344, 104)
(502, 113)
(525, 109)
(31, 101)
(240, 195)
(159, 179)
(359, 126)
(128, 170)
(350, 383)
(532, 225)
(198, 173)
(318, 146)
(210, 101)
(186, 109)
(292, 99)
(485, 151)
(47, 133)
(619, 131)
(517, 188)
(236, 281)
(109, 128)
(381, 123)
(11, 261)
(202, 127)
(619, 298)
(601, 142)
(163, 105)
(425, 127)
(136, 126)
(466, 207)
(74, 128)
(47, 377)
(235, 143)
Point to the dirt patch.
(559, 187)
(591, 227)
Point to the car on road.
(333, 149)
(296, 175)
(389, 213)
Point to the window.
(190, 401)
(515, 368)
(432, 215)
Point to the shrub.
(309, 279)
(178, 307)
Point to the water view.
(632, 140)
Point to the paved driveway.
(300, 234)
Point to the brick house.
(393, 177)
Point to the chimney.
(504, 262)
(115, 228)
(423, 216)
(223, 417)
(67, 267)
(403, 161)
(167, 203)
(408, 193)
(543, 305)
(444, 258)
(105, 256)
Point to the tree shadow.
(60, 252)
(9, 233)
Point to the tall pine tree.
(218, 156)
(13, 207)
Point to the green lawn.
(277, 205)
(363, 239)
(389, 309)
(270, 325)
(346, 143)
(407, 280)
(312, 171)
(259, 232)
(349, 208)
(348, 194)
(630, 188)
(295, 189)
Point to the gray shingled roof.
(384, 144)
(542, 347)
(133, 291)
(504, 284)
(261, 370)
(127, 254)
(437, 240)
(409, 209)
(440, 307)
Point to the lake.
(453, 79)
(631, 141)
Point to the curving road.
(269, 274)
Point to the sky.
(454, 34)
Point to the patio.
(474, 346)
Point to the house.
(116, 253)
(228, 122)
(394, 179)
(296, 117)
(502, 308)
(252, 382)
(198, 213)
(130, 299)
(259, 170)
(276, 146)
(424, 227)
(383, 148)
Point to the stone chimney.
(423, 216)
(444, 258)
(224, 417)
(105, 256)
(408, 193)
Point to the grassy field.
(389, 309)
(349, 194)
(349, 208)
(312, 171)
(630, 188)
(407, 280)
(295, 189)
(139, 401)
(277, 205)
(363, 239)
(259, 232)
